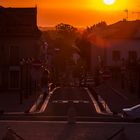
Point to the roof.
(20, 16)
(120, 30)
(18, 22)
(123, 29)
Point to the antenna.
(126, 11)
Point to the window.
(116, 55)
(132, 56)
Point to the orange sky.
(77, 12)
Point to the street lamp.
(28, 76)
(21, 80)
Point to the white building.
(117, 42)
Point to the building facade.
(20, 39)
(116, 44)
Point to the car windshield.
(70, 69)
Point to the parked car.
(105, 73)
(132, 112)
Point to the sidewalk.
(10, 102)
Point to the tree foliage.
(65, 30)
(100, 25)
(84, 46)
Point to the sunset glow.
(78, 13)
(109, 2)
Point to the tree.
(61, 41)
(66, 30)
(65, 40)
(101, 25)
(84, 46)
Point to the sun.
(109, 2)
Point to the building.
(117, 43)
(20, 39)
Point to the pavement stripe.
(74, 101)
(97, 108)
(106, 107)
(44, 105)
(120, 94)
(86, 102)
(34, 107)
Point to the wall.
(124, 46)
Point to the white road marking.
(97, 108)
(106, 107)
(120, 94)
(74, 101)
(44, 106)
(34, 107)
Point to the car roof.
(136, 106)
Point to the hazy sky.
(78, 12)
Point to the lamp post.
(28, 63)
(30, 82)
(21, 81)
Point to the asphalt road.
(60, 102)
(115, 100)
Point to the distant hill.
(53, 28)
(46, 28)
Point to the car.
(105, 74)
(132, 112)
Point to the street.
(53, 123)
(59, 102)
(116, 99)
